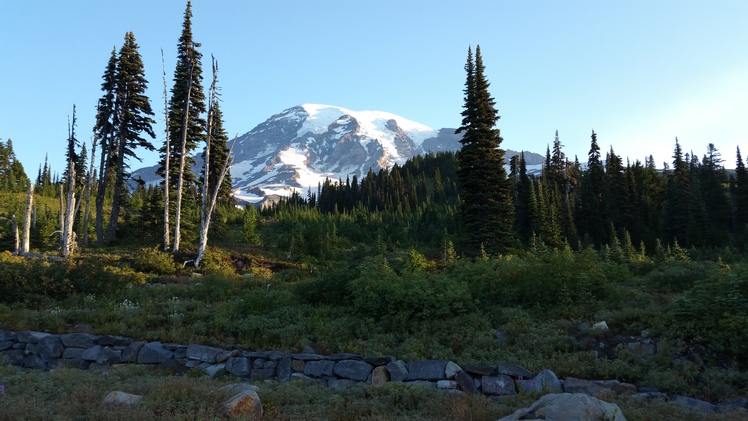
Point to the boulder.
(446, 384)
(50, 347)
(427, 370)
(6, 345)
(544, 382)
(206, 354)
(6, 335)
(572, 385)
(481, 370)
(353, 370)
(154, 353)
(30, 337)
(238, 366)
(307, 357)
(225, 355)
(262, 373)
(515, 371)
(694, 404)
(214, 369)
(451, 369)
(236, 388)
(567, 407)
(122, 398)
(380, 375)
(78, 340)
(244, 405)
(733, 405)
(298, 366)
(466, 383)
(319, 368)
(285, 367)
(498, 385)
(109, 340)
(108, 356)
(398, 371)
(73, 353)
(379, 361)
(130, 354)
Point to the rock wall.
(40, 350)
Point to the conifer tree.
(486, 210)
(104, 132)
(740, 193)
(677, 211)
(133, 118)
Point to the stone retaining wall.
(40, 350)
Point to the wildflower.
(105, 373)
(2, 389)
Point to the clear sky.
(638, 72)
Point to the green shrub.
(154, 261)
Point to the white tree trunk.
(166, 161)
(27, 220)
(68, 242)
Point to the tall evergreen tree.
(187, 89)
(486, 210)
(217, 156)
(133, 118)
(104, 131)
(592, 215)
(677, 212)
(740, 194)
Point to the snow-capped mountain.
(301, 146)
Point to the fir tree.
(486, 210)
(133, 118)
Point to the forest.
(435, 258)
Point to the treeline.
(632, 207)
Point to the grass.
(71, 394)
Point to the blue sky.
(639, 73)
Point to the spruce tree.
(133, 118)
(486, 209)
(104, 131)
(187, 89)
(740, 194)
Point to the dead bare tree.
(89, 186)
(67, 244)
(166, 160)
(208, 206)
(25, 238)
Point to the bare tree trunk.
(180, 181)
(68, 242)
(27, 220)
(166, 161)
(15, 229)
(62, 215)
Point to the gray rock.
(341, 357)
(130, 353)
(73, 353)
(427, 370)
(572, 385)
(600, 325)
(353, 370)
(253, 354)
(29, 336)
(566, 406)
(34, 361)
(694, 404)
(181, 352)
(498, 385)
(307, 357)
(238, 366)
(109, 340)
(466, 383)
(13, 357)
(244, 405)
(398, 371)
(203, 353)
(90, 354)
(481, 370)
(544, 382)
(733, 405)
(258, 363)
(50, 347)
(224, 356)
(275, 355)
(78, 340)
(214, 369)
(515, 371)
(6, 345)
(446, 384)
(154, 353)
(234, 388)
(270, 364)
(284, 368)
(6, 335)
(122, 398)
(451, 369)
(379, 361)
(108, 356)
(650, 395)
(319, 368)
